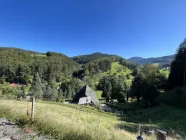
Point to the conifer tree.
(37, 87)
(177, 75)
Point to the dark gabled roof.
(86, 91)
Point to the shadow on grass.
(164, 117)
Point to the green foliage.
(54, 95)
(177, 75)
(84, 59)
(115, 67)
(174, 97)
(63, 100)
(90, 81)
(37, 87)
(22, 74)
(8, 92)
(47, 92)
(107, 89)
(126, 63)
(122, 93)
(147, 83)
(70, 87)
(69, 92)
(99, 65)
(137, 86)
(119, 88)
(128, 76)
(19, 66)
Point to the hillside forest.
(142, 91)
(56, 77)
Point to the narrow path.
(10, 131)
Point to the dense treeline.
(114, 88)
(148, 83)
(54, 76)
(84, 59)
(104, 64)
(99, 65)
(19, 66)
(39, 74)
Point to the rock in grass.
(18, 137)
(10, 131)
(5, 138)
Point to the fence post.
(33, 108)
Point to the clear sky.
(146, 28)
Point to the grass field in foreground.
(72, 122)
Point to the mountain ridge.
(161, 60)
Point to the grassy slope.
(71, 121)
(163, 116)
(117, 69)
(165, 72)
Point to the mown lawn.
(72, 122)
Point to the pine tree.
(37, 87)
(177, 75)
(137, 86)
(54, 95)
(48, 92)
(122, 94)
(107, 90)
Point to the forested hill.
(160, 60)
(17, 65)
(18, 49)
(83, 59)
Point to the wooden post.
(33, 108)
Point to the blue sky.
(146, 28)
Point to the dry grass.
(66, 122)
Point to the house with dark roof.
(85, 96)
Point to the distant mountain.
(135, 59)
(83, 59)
(160, 60)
